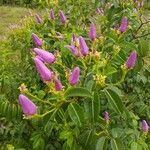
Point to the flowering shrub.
(82, 69)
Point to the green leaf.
(95, 107)
(92, 108)
(86, 138)
(41, 94)
(77, 92)
(100, 143)
(109, 70)
(127, 46)
(38, 142)
(134, 146)
(114, 145)
(76, 113)
(114, 100)
(89, 85)
(10, 147)
(67, 135)
(144, 47)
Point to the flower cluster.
(79, 48)
(62, 16)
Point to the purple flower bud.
(124, 24)
(58, 85)
(36, 40)
(73, 49)
(28, 107)
(38, 19)
(144, 126)
(92, 32)
(130, 63)
(100, 11)
(51, 14)
(44, 72)
(59, 35)
(62, 17)
(106, 116)
(74, 39)
(74, 46)
(74, 76)
(46, 56)
(39, 58)
(140, 3)
(83, 47)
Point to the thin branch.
(140, 36)
(142, 23)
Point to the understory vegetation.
(75, 75)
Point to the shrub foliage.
(75, 117)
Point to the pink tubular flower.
(28, 107)
(46, 56)
(39, 58)
(92, 32)
(83, 47)
(124, 24)
(130, 63)
(38, 19)
(37, 41)
(144, 126)
(44, 72)
(74, 76)
(106, 116)
(51, 14)
(58, 85)
(62, 17)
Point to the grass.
(10, 17)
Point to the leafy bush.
(75, 117)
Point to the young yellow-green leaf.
(77, 92)
(76, 113)
(134, 146)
